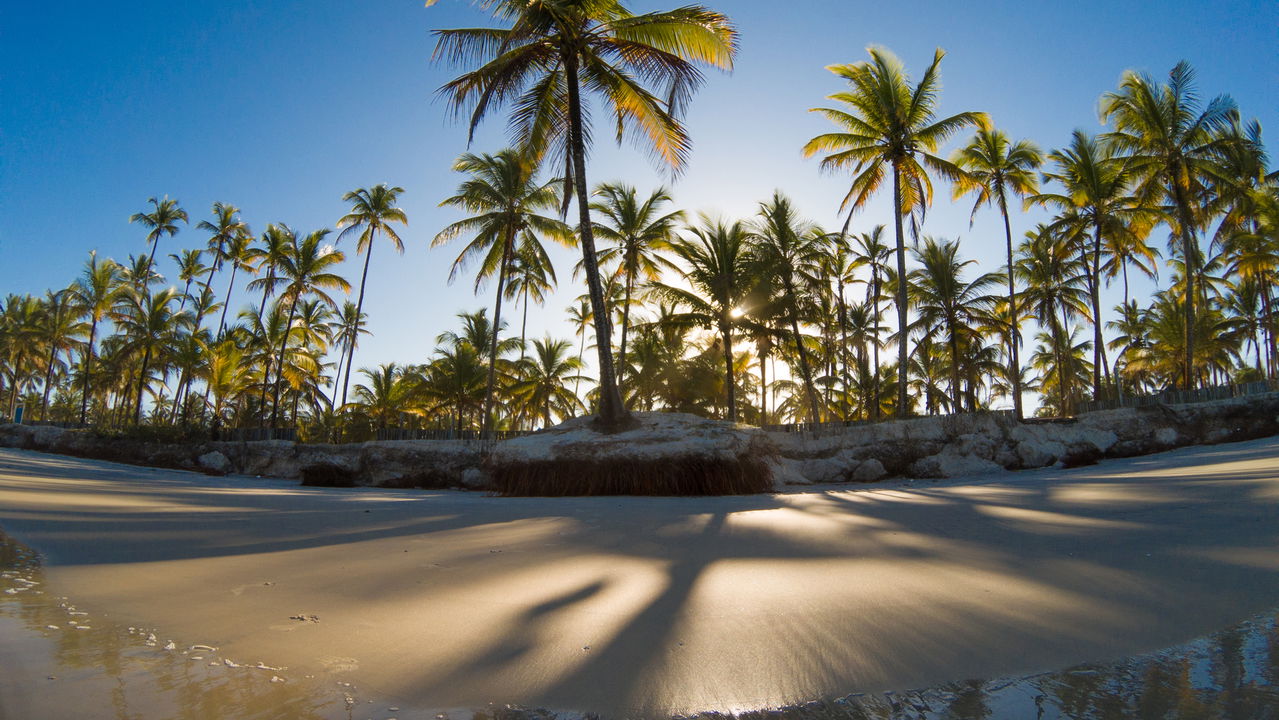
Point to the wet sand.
(657, 606)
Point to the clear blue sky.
(282, 107)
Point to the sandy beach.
(657, 606)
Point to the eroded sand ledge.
(656, 606)
(926, 447)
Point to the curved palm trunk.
(359, 307)
(146, 278)
(580, 352)
(726, 333)
(487, 419)
(208, 281)
(763, 385)
(524, 325)
(612, 412)
(903, 410)
(1014, 330)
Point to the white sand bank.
(654, 606)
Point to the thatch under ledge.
(665, 454)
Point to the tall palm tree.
(1094, 201)
(97, 291)
(1174, 143)
(637, 231)
(347, 327)
(504, 199)
(278, 241)
(875, 254)
(1053, 274)
(371, 213)
(307, 269)
(162, 220)
(993, 168)
(555, 49)
(715, 262)
(240, 253)
(891, 125)
(785, 250)
(226, 226)
(948, 305)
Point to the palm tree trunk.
(902, 309)
(763, 385)
(142, 378)
(48, 378)
(146, 277)
(524, 324)
(874, 338)
(612, 412)
(727, 334)
(227, 302)
(208, 281)
(88, 363)
(843, 343)
(487, 420)
(955, 392)
(279, 365)
(813, 407)
(359, 307)
(1188, 252)
(1014, 330)
(626, 322)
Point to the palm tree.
(1094, 201)
(1174, 149)
(579, 316)
(389, 395)
(347, 327)
(225, 375)
(226, 226)
(504, 197)
(162, 220)
(993, 167)
(278, 241)
(553, 50)
(715, 263)
(785, 251)
(307, 269)
(532, 276)
(147, 324)
(1052, 274)
(60, 332)
(240, 253)
(543, 380)
(191, 267)
(96, 291)
(890, 124)
(948, 305)
(875, 254)
(372, 212)
(637, 231)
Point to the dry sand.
(656, 606)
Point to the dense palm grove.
(762, 319)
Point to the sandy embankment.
(651, 606)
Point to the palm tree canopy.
(372, 212)
(612, 51)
